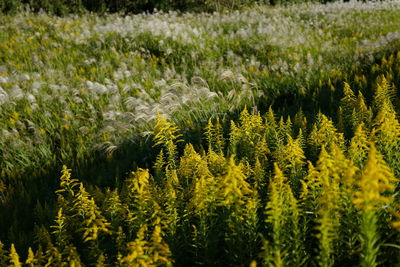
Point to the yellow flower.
(376, 179)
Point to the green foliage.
(3, 255)
(312, 181)
(63, 7)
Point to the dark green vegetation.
(63, 7)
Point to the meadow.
(264, 136)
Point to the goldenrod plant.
(375, 181)
(328, 206)
(141, 204)
(14, 258)
(3, 255)
(153, 252)
(31, 261)
(386, 134)
(219, 207)
(324, 134)
(215, 138)
(384, 93)
(284, 216)
(166, 135)
(291, 159)
(247, 139)
(359, 148)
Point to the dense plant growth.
(256, 195)
(71, 86)
(64, 7)
(224, 139)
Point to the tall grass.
(248, 143)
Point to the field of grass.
(262, 136)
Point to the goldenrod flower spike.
(376, 179)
